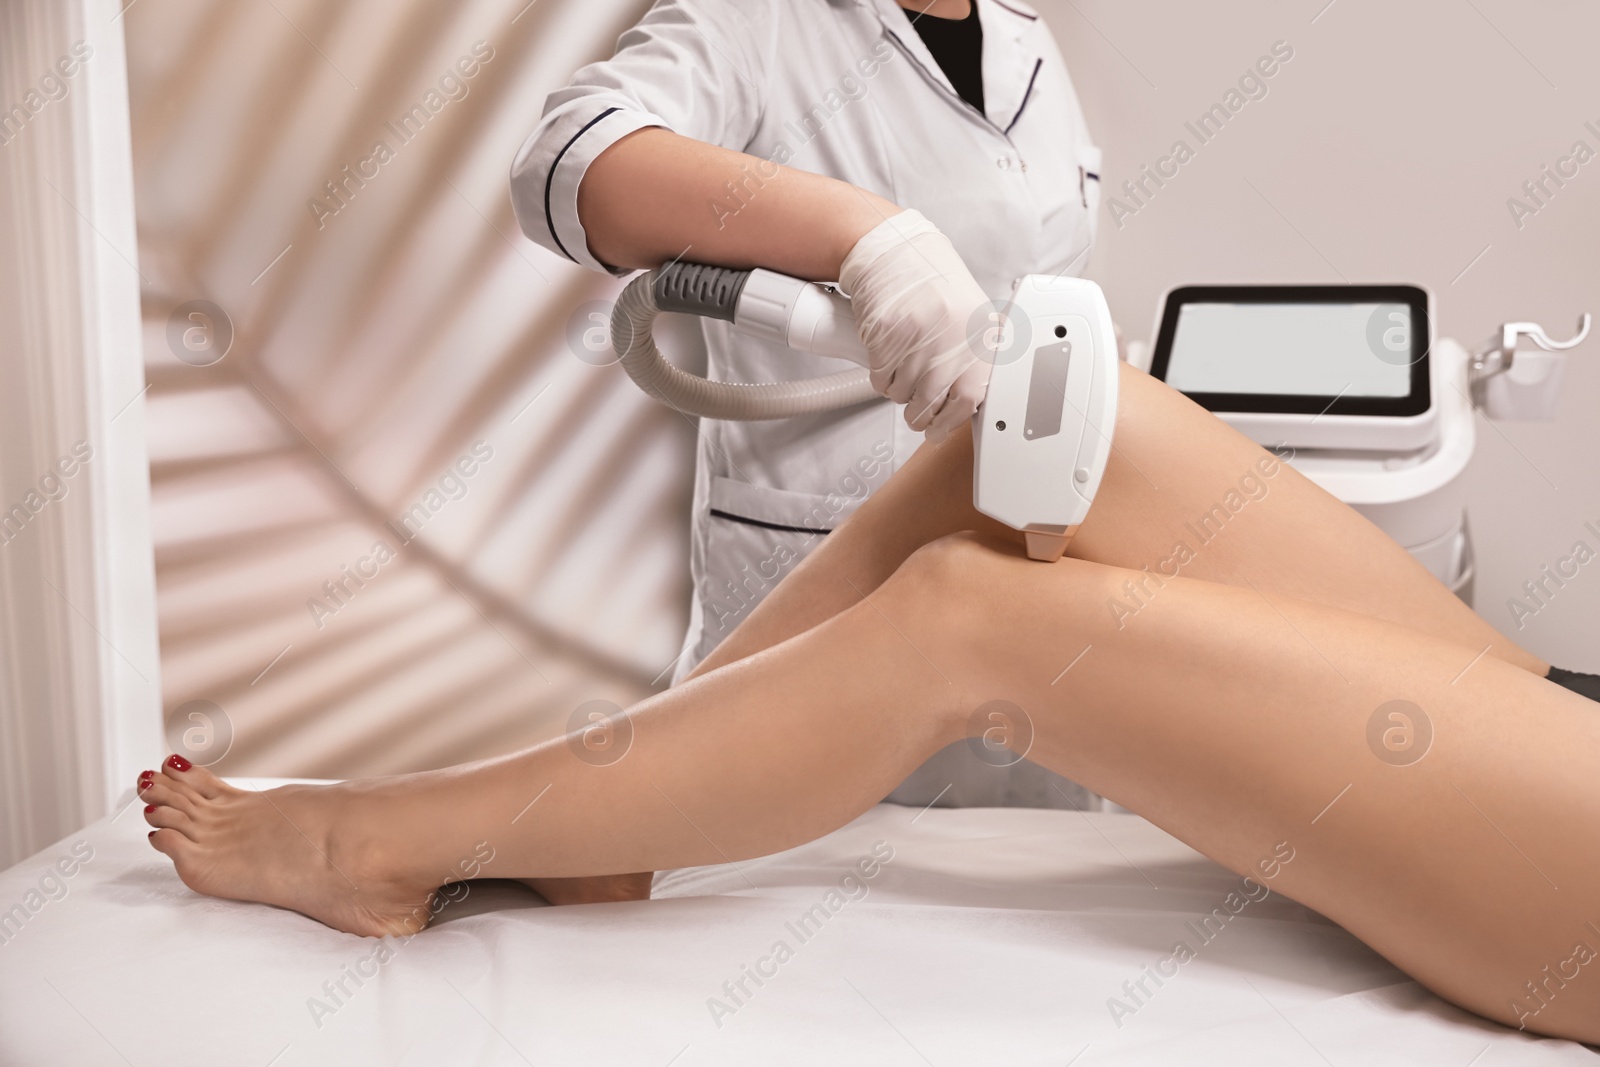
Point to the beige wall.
(1384, 150)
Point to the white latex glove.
(914, 303)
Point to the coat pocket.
(755, 536)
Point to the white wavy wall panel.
(398, 524)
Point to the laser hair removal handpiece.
(1042, 435)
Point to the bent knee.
(990, 620)
(971, 579)
(937, 602)
(984, 614)
(937, 593)
(950, 564)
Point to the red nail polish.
(178, 763)
(152, 833)
(148, 808)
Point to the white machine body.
(1418, 496)
(1376, 432)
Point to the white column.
(80, 701)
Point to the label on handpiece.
(1047, 390)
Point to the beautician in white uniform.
(848, 89)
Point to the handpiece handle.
(806, 316)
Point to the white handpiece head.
(1043, 434)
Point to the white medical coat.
(844, 88)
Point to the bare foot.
(600, 889)
(298, 847)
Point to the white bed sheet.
(992, 936)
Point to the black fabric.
(957, 46)
(1584, 684)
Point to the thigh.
(1259, 730)
(1184, 493)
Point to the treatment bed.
(939, 937)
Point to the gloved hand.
(915, 303)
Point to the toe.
(192, 777)
(161, 794)
(166, 817)
(173, 784)
(167, 840)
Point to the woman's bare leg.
(1235, 720)
(1168, 481)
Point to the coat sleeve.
(696, 67)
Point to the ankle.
(396, 832)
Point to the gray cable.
(713, 292)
